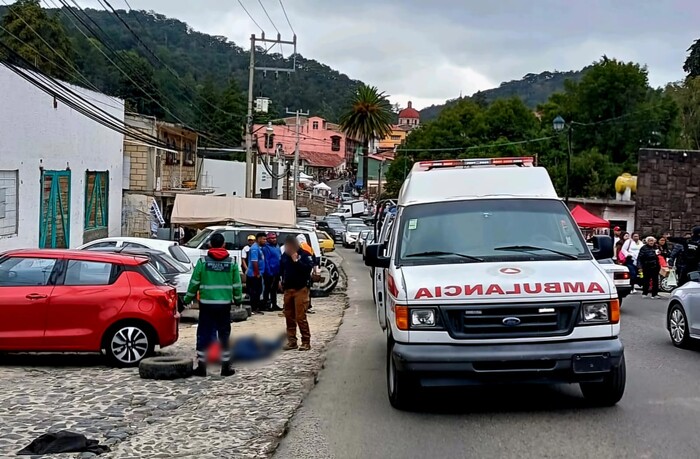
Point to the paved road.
(348, 415)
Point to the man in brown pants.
(295, 272)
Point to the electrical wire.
(251, 17)
(268, 16)
(478, 147)
(287, 18)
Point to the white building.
(60, 172)
(228, 178)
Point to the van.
(483, 277)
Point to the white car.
(683, 316)
(171, 248)
(352, 233)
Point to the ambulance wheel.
(400, 385)
(609, 391)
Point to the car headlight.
(423, 318)
(595, 313)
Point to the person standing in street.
(217, 279)
(296, 266)
(244, 252)
(630, 250)
(254, 274)
(271, 277)
(648, 260)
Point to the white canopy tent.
(322, 187)
(200, 211)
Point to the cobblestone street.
(213, 417)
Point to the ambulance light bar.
(471, 162)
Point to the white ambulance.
(483, 277)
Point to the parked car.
(303, 212)
(172, 248)
(683, 315)
(174, 272)
(351, 234)
(368, 240)
(325, 241)
(620, 275)
(85, 301)
(354, 221)
(333, 227)
(346, 197)
(361, 240)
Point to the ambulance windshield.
(489, 230)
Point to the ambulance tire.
(401, 386)
(609, 391)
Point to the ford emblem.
(511, 321)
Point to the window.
(96, 200)
(491, 230)
(9, 205)
(171, 158)
(395, 137)
(131, 245)
(269, 141)
(190, 154)
(88, 273)
(315, 124)
(196, 241)
(177, 253)
(20, 272)
(102, 245)
(335, 143)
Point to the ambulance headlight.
(595, 313)
(422, 318)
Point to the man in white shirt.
(630, 250)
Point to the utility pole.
(298, 113)
(249, 157)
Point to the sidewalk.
(241, 416)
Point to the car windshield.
(356, 228)
(489, 230)
(196, 241)
(173, 265)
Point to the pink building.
(323, 148)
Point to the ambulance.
(483, 277)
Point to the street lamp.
(559, 124)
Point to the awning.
(585, 219)
(322, 186)
(200, 211)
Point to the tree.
(139, 89)
(38, 38)
(692, 62)
(687, 97)
(369, 117)
(228, 119)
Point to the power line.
(478, 147)
(251, 17)
(268, 17)
(287, 18)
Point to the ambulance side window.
(390, 237)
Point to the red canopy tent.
(585, 219)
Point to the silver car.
(683, 318)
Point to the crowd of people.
(651, 259)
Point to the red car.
(82, 301)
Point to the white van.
(484, 278)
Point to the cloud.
(428, 52)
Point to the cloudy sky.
(428, 52)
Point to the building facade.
(409, 119)
(668, 191)
(60, 172)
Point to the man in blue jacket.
(271, 277)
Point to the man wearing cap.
(616, 237)
(244, 254)
(271, 277)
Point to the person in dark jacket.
(690, 256)
(217, 279)
(648, 260)
(271, 276)
(676, 259)
(296, 265)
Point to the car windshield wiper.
(437, 253)
(528, 248)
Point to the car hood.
(508, 281)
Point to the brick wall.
(668, 191)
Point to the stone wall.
(668, 191)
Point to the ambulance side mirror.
(602, 247)
(374, 256)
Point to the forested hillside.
(532, 89)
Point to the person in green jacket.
(217, 278)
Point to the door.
(379, 282)
(25, 288)
(54, 210)
(87, 298)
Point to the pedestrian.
(306, 247)
(648, 261)
(217, 279)
(691, 256)
(254, 274)
(271, 277)
(296, 266)
(664, 247)
(244, 252)
(617, 234)
(630, 250)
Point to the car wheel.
(677, 326)
(400, 385)
(126, 344)
(663, 285)
(609, 391)
(165, 367)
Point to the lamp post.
(559, 124)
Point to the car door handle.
(36, 296)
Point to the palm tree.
(369, 117)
